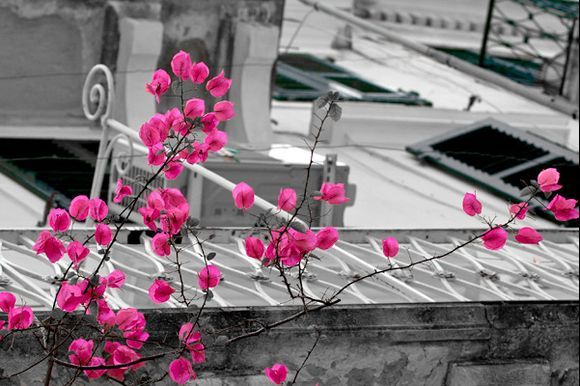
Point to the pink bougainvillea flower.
(91, 292)
(156, 155)
(105, 315)
(209, 277)
(243, 195)
(125, 355)
(495, 238)
(116, 373)
(181, 65)
(59, 220)
(81, 351)
(304, 241)
(135, 339)
(174, 119)
(172, 170)
(77, 252)
(287, 199)
(149, 134)
(197, 353)
(20, 318)
(390, 247)
(194, 107)
(181, 371)
(115, 279)
(563, 208)
(528, 235)
(548, 180)
(519, 210)
(198, 72)
(155, 200)
(162, 125)
(98, 209)
(277, 374)
(79, 208)
(216, 140)
(188, 336)
(129, 319)
(7, 301)
(173, 198)
(254, 247)
(285, 249)
(471, 205)
(160, 291)
(69, 297)
(159, 84)
(52, 247)
(199, 154)
(149, 216)
(95, 374)
(173, 220)
(334, 194)
(219, 85)
(209, 122)
(326, 238)
(103, 234)
(160, 244)
(224, 111)
(121, 191)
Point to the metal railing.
(98, 103)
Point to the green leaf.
(335, 112)
(192, 222)
(320, 102)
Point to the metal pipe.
(483, 51)
(205, 173)
(552, 101)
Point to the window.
(303, 77)
(500, 158)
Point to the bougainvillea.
(188, 134)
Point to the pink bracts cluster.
(161, 131)
(19, 317)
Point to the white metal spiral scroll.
(98, 103)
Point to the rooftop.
(519, 272)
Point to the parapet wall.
(458, 344)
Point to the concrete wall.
(48, 46)
(436, 344)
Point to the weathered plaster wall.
(48, 46)
(440, 344)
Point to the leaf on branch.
(95, 280)
(320, 102)
(211, 256)
(528, 191)
(335, 112)
(209, 295)
(192, 222)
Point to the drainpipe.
(552, 101)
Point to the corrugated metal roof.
(548, 271)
